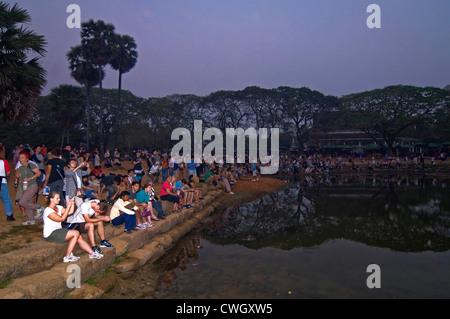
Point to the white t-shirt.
(84, 209)
(3, 172)
(50, 225)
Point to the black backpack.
(40, 180)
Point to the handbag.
(146, 213)
(72, 226)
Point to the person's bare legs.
(71, 236)
(84, 245)
(100, 230)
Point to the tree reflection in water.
(314, 240)
(401, 212)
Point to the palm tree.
(125, 59)
(87, 75)
(21, 79)
(98, 48)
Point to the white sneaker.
(70, 258)
(95, 255)
(74, 257)
(28, 222)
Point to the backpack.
(40, 180)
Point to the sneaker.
(148, 225)
(95, 255)
(74, 257)
(70, 258)
(127, 231)
(97, 250)
(10, 218)
(105, 243)
(40, 211)
(28, 222)
(231, 193)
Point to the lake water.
(316, 239)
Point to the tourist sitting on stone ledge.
(149, 195)
(119, 214)
(211, 177)
(89, 218)
(193, 182)
(187, 192)
(147, 198)
(167, 193)
(224, 174)
(53, 231)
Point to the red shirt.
(97, 171)
(4, 169)
(165, 185)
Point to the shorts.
(58, 235)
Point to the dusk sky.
(202, 46)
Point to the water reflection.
(314, 240)
(401, 212)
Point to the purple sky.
(202, 46)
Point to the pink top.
(165, 185)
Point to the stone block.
(86, 291)
(126, 265)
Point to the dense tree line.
(148, 122)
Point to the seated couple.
(63, 224)
(126, 211)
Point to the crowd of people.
(319, 163)
(80, 197)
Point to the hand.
(107, 218)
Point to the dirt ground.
(13, 235)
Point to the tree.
(87, 75)
(125, 59)
(21, 78)
(66, 108)
(383, 114)
(97, 43)
(301, 106)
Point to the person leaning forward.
(89, 217)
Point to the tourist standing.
(54, 178)
(27, 174)
(74, 180)
(4, 191)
